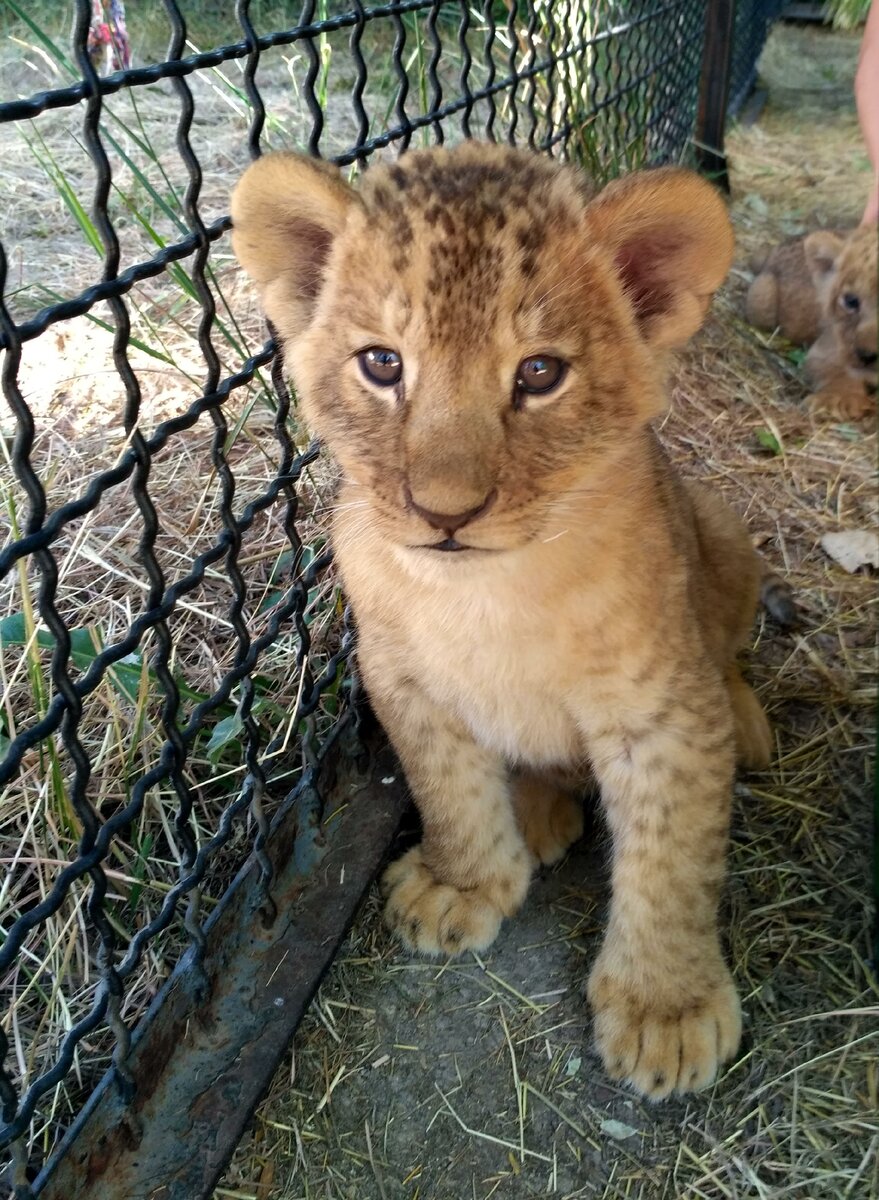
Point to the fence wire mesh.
(172, 644)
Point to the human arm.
(867, 100)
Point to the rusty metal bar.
(200, 1068)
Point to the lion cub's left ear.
(672, 244)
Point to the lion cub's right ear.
(822, 250)
(286, 211)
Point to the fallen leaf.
(266, 1181)
(853, 549)
(617, 1129)
(768, 441)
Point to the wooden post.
(714, 89)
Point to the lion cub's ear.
(286, 211)
(672, 243)
(822, 250)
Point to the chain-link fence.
(173, 649)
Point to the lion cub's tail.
(776, 596)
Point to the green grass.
(847, 14)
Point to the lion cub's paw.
(437, 918)
(663, 1047)
(551, 825)
(844, 404)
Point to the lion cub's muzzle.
(449, 523)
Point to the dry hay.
(473, 1078)
(803, 164)
(102, 587)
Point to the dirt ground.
(475, 1078)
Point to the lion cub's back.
(783, 295)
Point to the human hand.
(871, 212)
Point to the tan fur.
(799, 290)
(782, 295)
(595, 620)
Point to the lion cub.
(480, 343)
(820, 291)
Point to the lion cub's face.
(473, 337)
(844, 271)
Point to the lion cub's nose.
(450, 522)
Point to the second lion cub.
(821, 291)
(480, 343)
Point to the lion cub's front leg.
(666, 1010)
(842, 397)
(472, 867)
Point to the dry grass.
(102, 587)
(473, 1078)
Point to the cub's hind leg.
(472, 867)
(730, 575)
(733, 579)
(752, 730)
(550, 815)
(761, 304)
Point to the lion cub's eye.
(381, 365)
(538, 375)
(850, 302)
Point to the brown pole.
(714, 90)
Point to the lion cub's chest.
(507, 699)
(503, 668)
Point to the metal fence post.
(714, 89)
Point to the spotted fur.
(592, 624)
